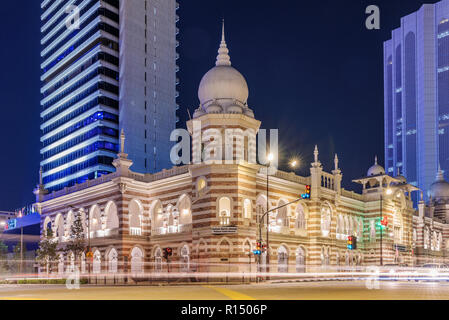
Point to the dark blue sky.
(314, 72)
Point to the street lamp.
(270, 158)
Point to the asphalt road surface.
(354, 290)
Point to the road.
(354, 290)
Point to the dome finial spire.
(440, 174)
(223, 37)
(223, 58)
(375, 161)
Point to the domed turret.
(439, 190)
(223, 89)
(376, 169)
(400, 177)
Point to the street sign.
(90, 255)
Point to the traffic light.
(258, 248)
(264, 248)
(352, 243)
(307, 194)
(168, 252)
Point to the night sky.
(313, 69)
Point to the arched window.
(397, 227)
(157, 218)
(300, 260)
(96, 266)
(247, 247)
(48, 231)
(172, 221)
(185, 259)
(360, 229)
(439, 241)
(59, 222)
(95, 220)
(261, 206)
(135, 218)
(347, 227)
(83, 221)
(185, 212)
(225, 246)
(247, 209)
(300, 218)
(340, 227)
(372, 233)
(61, 263)
(282, 215)
(158, 260)
(201, 185)
(282, 260)
(325, 220)
(351, 226)
(224, 210)
(136, 261)
(426, 238)
(111, 212)
(69, 222)
(433, 244)
(112, 261)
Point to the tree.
(47, 252)
(77, 241)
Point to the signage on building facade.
(224, 230)
(399, 247)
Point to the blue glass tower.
(115, 70)
(416, 82)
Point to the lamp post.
(270, 158)
(388, 192)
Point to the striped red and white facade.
(208, 212)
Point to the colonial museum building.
(208, 212)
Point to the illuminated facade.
(209, 213)
(416, 82)
(115, 70)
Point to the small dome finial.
(440, 174)
(375, 160)
(223, 58)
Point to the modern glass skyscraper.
(416, 81)
(112, 69)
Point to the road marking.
(19, 298)
(234, 295)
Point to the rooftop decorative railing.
(164, 174)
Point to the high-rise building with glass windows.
(416, 81)
(107, 66)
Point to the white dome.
(439, 190)
(375, 170)
(224, 87)
(223, 83)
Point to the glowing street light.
(294, 164)
(270, 157)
